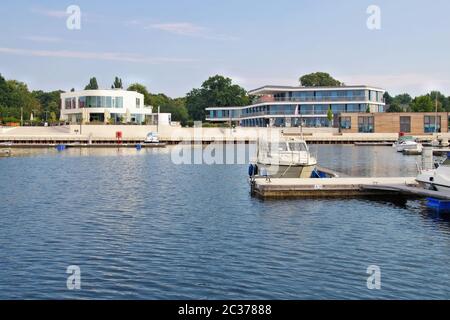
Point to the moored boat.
(285, 158)
(407, 143)
(5, 152)
(437, 178)
(152, 137)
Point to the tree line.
(424, 103)
(17, 101)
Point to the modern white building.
(106, 106)
(286, 106)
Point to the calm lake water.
(139, 226)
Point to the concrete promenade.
(97, 134)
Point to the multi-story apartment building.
(284, 106)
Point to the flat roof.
(271, 88)
(100, 92)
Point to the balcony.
(268, 99)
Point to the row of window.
(366, 124)
(311, 122)
(225, 114)
(96, 102)
(303, 109)
(100, 117)
(321, 109)
(332, 94)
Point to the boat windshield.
(297, 146)
(446, 162)
(278, 146)
(406, 138)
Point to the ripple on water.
(142, 227)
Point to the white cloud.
(185, 29)
(181, 28)
(50, 13)
(42, 39)
(107, 56)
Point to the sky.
(172, 46)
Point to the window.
(337, 108)
(354, 108)
(321, 109)
(432, 124)
(405, 124)
(345, 123)
(297, 146)
(365, 124)
(278, 147)
(82, 102)
(306, 109)
(118, 102)
(138, 103)
(68, 103)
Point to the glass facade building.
(295, 106)
(105, 106)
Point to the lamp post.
(436, 115)
(157, 121)
(46, 112)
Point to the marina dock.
(330, 187)
(410, 191)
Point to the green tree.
(330, 115)
(167, 105)
(402, 99)
(319, 79)
(159, 100)
(15, 99)
(394, 107)
(93, 85)
(117, 83)
(443, 103)
(388, 99)
(177, 107)
(142, 90)
(49, 101)
(422, 104)
(53, 116)
(217, 91)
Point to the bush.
(9, 119)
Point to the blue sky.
(172, 46)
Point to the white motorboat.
(437, 178)
(286, 158)
(5, 152)
(152, 137)
(407, 143)
(410, 146)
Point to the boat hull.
(288, 172)
(5, 153)
(409, 147)
(438, 179)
